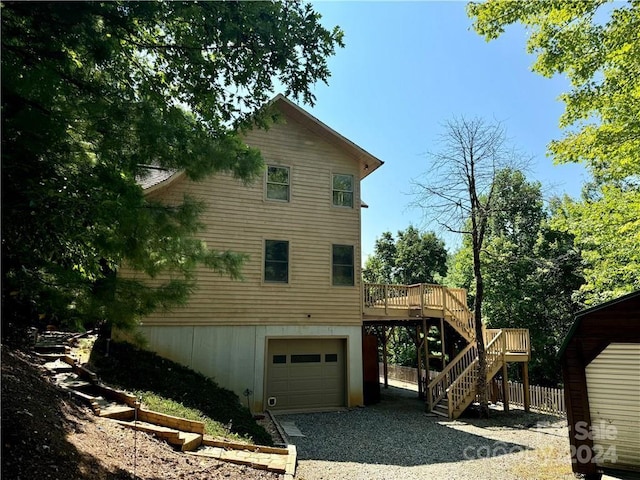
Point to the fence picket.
(542, 399)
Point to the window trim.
(353, 191)
(264, 263)
(353, 265)
(267, 183)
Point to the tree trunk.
(482, 357)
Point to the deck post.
(444, 361)
(386, 299)
(418, 346)
(426, 355)
(385, 359)
(505, 386)
(525, 386)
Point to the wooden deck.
(405, 301)
(383, 302)
(453, 389)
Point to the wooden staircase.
(455, 387)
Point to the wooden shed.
(601, 367)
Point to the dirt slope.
(46, 435)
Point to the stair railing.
(437, 388)
(460, 314)
(465, 386)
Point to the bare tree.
(457, 194)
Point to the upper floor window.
(343, 190)
(278, 183)
(276, 261)
(342, 263)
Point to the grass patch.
(173, 389)
(152, 401)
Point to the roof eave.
(368, 162)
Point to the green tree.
(420, 257)
(413, 258)
(95, 92)
(380, 267)
(597, 46)
(531, 270)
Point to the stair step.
(171, 435)
(58, 366)
(190, 441)
(440, 414)
(118, 412)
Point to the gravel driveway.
(397, 440)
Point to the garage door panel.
(310, 375)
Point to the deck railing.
(516, 340)
(387, 299)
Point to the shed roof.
(583, 313)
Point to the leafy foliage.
(606, 226)
(92, 94)
(597, 46)
(413, 258)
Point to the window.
(307, 358)
(343, 265)
(343, 191)
(278, 183)
(276, 261)
(330, 357)
(279, 359)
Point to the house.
(601, 367)
(289, 336)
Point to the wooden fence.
(404, 374)
(542, 399)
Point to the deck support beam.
(426, 355)
(385, 357)
(418, 347)
(442, 344)
(525, 386)
(505, 386)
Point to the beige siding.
(239, 218)
(613, 385)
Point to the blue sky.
(409, 66)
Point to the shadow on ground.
(397, 431)
(35, 424)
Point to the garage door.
(305, 374)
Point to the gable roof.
(156, 177)
(368, 163)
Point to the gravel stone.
(396, 439)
